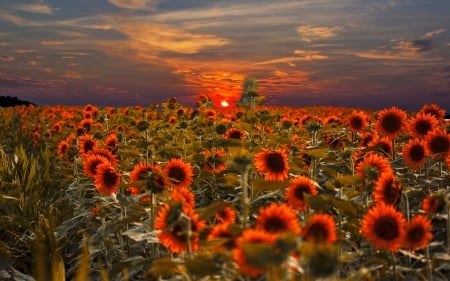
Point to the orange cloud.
(309, 33)
(38, 8)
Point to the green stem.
(245, 199)
(429, 265)
(394, 267)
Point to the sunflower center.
(88, 146)
(391, 123)
(422, 127)
(275, 162)
(317, 233)
(177, 174)
(356, 123)
(415, 234)
(417, 153)
(299, 190)
(179, 233)
(391, 192)
(439, 144)
(275, 224)
(235, 135)
(386, 228)
(110, 178)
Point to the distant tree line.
(6, 101)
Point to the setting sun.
(224, 103)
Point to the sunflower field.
(172, 192)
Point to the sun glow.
(224, 103)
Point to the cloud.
(12, 81)
(52, 43)
(422, 45)
(11, 19)
(38, 8)
(310, 55)
(309, 33)
(133, 4)
(7, 58)
(72, 75)
(108, 90)
(433, 33)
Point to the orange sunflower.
(87, 143)
(372, 166)
(183, 195)
(111, 143)
(172, 224)
(106, 179)
(321, 228)
(434, 110)
(391, 122)
(414, 153)
(90, 163)
(277, 218)
(433, 204)
(418, 233)
(438, 144)
(106, 153)
(234, 133)
(421, 124)
(63, 148)
(178, 173)
(387, 190)
(223, 231)
(382, 145)
(251, 236)
(383, 226)
(357, 121)
(226, 215)
(297, 187)
(272, 163)
(214, 160)
(140, 171)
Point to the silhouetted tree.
(250, 93)
(7, 101)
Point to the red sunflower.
(87, 143)
(214, 160)
(372, 166)
(272, 163)
(433, 204)
(434, 110)
(234, 133)
(226, 215)
(277, 218)
(173, 227)
(239, 254)
(421, 124)
(297, 187)
(223, 231)
(106, 179)
(387, 190)
(438, 144)
(63, 148)
(178, 173)
(382, 145)
(391, 122)
(383, 226)
(90, 163)
(357, 121)
(414, 153)
(183, 195)
(321, 228)
(418, 233)
(112, 143)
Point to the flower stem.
(394, 268)
(429, 265)
(245, 199)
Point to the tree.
(250, 93)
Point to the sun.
(224, 103)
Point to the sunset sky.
(359, 53)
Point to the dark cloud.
(422, 45)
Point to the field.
(171, 192)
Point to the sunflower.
(226, 215)
(106, 178)
(183, 195)
(85, 125)
(172, 224)
(178, 172)
(214, 160)
(421, 124)
(91, 162)
(272, 163)
(297, 187)
(87, 143)
(418, 233)
(387, 190)
(391, 122)
(239, 255)
(372, 166)
(140, 171)
(414, 153)
(106, 153)
(277, 218)
(382, 145)
(357, 121)
(367, 138)
(433, 204)
(234, 133)
(434, 110)
(223, 231)
(111, 143)
(383, 226)
(438, 144)
(321, 228)
(63, 148)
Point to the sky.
(355, 53)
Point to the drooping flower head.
(90, 163)
(297, 187)
(277, 219)
(321, 228)
(106, 178)
(391, 122)
(383, 226)
(382, 145)
(434, 110)
(418, 233)
(438, 144)
(387, 190)
(179, 173)
(234, 133)
(214, 160)
(372, 166)
(272, 163)
(414, 153)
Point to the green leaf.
(212, 209)
(321, 202)
(82, 273)
(164, 266)
(348, 208)
(260, 184)
(202, 265)
(317, 153)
